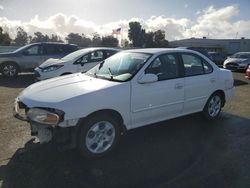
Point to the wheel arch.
(65, 73)
(108, 112)
(222, 94)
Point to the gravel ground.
(188, 152)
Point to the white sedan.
(78, 61)
(128, 90)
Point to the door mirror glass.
(148, 78)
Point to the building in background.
(225, 46)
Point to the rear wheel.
(9, 69)
(213, 107)
(66, 73)
(98, 136)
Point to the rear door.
(200, 82)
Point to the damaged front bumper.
(63, 132)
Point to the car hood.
(51, 62)
(7, 54)
(235, 60)
(52, 91)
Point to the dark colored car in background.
(238, 62)
(28, 57)
(202, 51)
(248, 72)
(218, 58)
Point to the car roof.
(159, 50)
(102, 48)
(56, 43)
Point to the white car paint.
(79, 95)
(68, 66)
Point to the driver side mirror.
(148, 78)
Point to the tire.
(66, 73)
(98, 135)
(9, 69)
(213, 107)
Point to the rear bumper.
(229, 93)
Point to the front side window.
(34, 50)
(96, 56)
(164, 66)
(194, 65)
(120, 67)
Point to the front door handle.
(178, 86)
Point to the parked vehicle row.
(238, 61)
(28, 57)
(130, 89)
(78, 61)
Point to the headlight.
(243, 64)
(51, 68)
(44, 116)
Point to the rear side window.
(194, 65)
(51, 49)
(67, 48)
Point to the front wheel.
(98, 136)
(9, 69)
(213, 107)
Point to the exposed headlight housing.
(45, 116)
(51, 68)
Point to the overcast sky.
(179, 19)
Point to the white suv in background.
(78, 61)
(131, 89)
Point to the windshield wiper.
(101, 64)
(110, 73)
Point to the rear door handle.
(212, 80)
(178, 86)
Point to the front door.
(31, 57)
(161, 100)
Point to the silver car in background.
(238, 61)
(28, 57)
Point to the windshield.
(75, 54)
(120, 67)
(23, 47)
(241, 55)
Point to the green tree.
(96, 40)
(109, 41)
(39, 37)
(21, 37)
(149, 40)
(55, 38)
(5, 39)
(80, 40)
(74, 38)
(85, 42)
(159, 39)
(136, 34)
